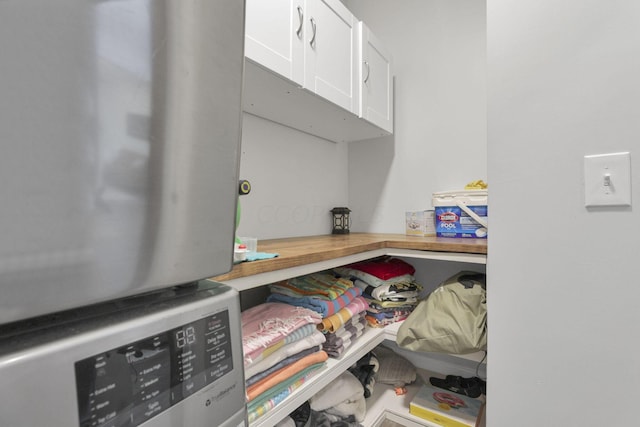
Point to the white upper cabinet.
(330, 53)
(274, 36)
(376, 81)
(304, 70)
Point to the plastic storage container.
(461, 213)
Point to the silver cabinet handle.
(366, 79)
(313, 27)
(301, 17)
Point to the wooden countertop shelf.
(297, 254)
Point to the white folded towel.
(344, 396)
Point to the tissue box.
(420, 223)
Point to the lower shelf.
(384, 404)
(334, 367)
(375, 416)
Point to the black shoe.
(472, 387)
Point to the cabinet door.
(274, 36)
(330, 59)
(376, 81)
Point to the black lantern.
(340, 220)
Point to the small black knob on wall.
(244, 187)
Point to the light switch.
(607, 179)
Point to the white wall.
(296, 180)
(439, 144)
(563, 280)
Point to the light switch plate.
(607, 179)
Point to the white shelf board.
(261, 279)
(439, 256)
(333, 368)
